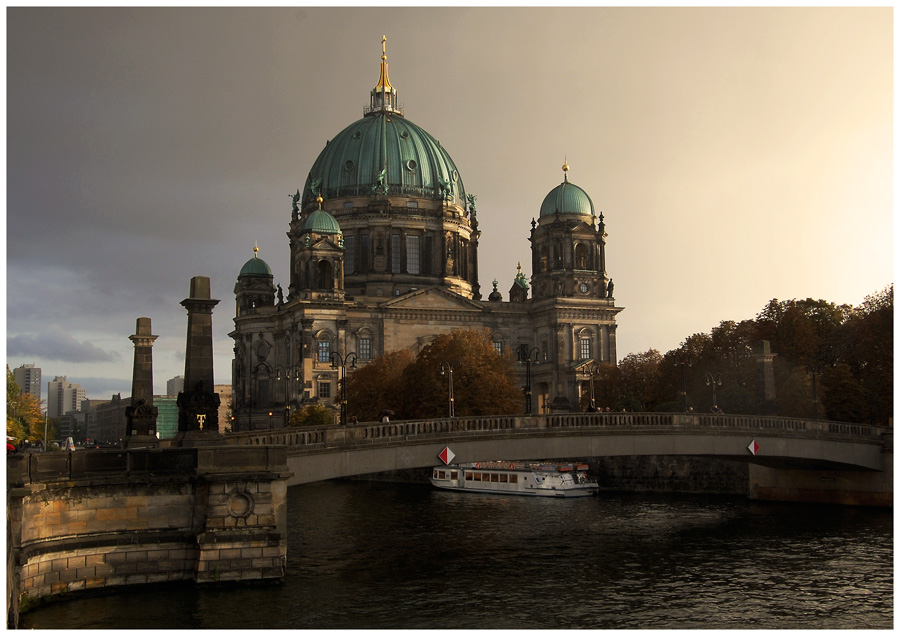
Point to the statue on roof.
(294, 199)
(446, 189)
(380, 185)
(314, 187)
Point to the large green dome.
(414, 163)
(384, 153)
(567, 198)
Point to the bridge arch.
(320, 453)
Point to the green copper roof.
(256, 267)
(384, 154)
(413, 162)
(321, 222)
(567, 198)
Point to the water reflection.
(368, 555)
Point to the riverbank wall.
(90, 520)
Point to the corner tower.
(568, 246)
(317, 256)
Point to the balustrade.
(311, 439)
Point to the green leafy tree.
(24, 419)
(640, 380)
(865, 344)
(313, 415)
(483, 380)
(608, 388)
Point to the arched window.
(324, 275)
(364, 340)
(323, 346)
(582, 257)
(585, 345)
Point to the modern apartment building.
(63, 396)
(28, 377)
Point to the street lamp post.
(593, 368)
(714, 380)
(683, 360)
(341, 364)
(814, 371)
(524, 354)
(447, 369)
(278, 370)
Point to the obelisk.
(140, 416)
(198, 403)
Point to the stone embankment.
(90, 520)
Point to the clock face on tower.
(583, 288)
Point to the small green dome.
(256, 267)
(567, 198)
(321, 222)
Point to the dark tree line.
(831, 361)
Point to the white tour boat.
(517, 478)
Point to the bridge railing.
(156, 462)
(299, 438)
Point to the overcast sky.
(737, 154)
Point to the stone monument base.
(141, 441)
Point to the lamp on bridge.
(683, 360)
(814, 371)
(447, 369)
(593, 369)
(338, 362)
(714, 380)
(524, 355)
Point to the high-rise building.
(384, 256)
(63, 396)
(28, 377)
(175, 385)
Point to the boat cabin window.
(514, 479)
(468, 476)
(503, 478)
(495, 477)
(476, 476)
(454, 474)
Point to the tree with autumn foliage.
(413, 387)
(378, 386)
(483, 380)
(24, 420)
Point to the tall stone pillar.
(198, 404)
(140, 417)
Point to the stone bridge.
(794, 459)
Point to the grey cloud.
(57, 346)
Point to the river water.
(405, 556)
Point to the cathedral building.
(384, 256)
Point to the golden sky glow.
(737, 154)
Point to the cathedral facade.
(384, 256)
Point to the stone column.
(140, 417)
(198, 404)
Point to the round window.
(349, 165)
(411, 165)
